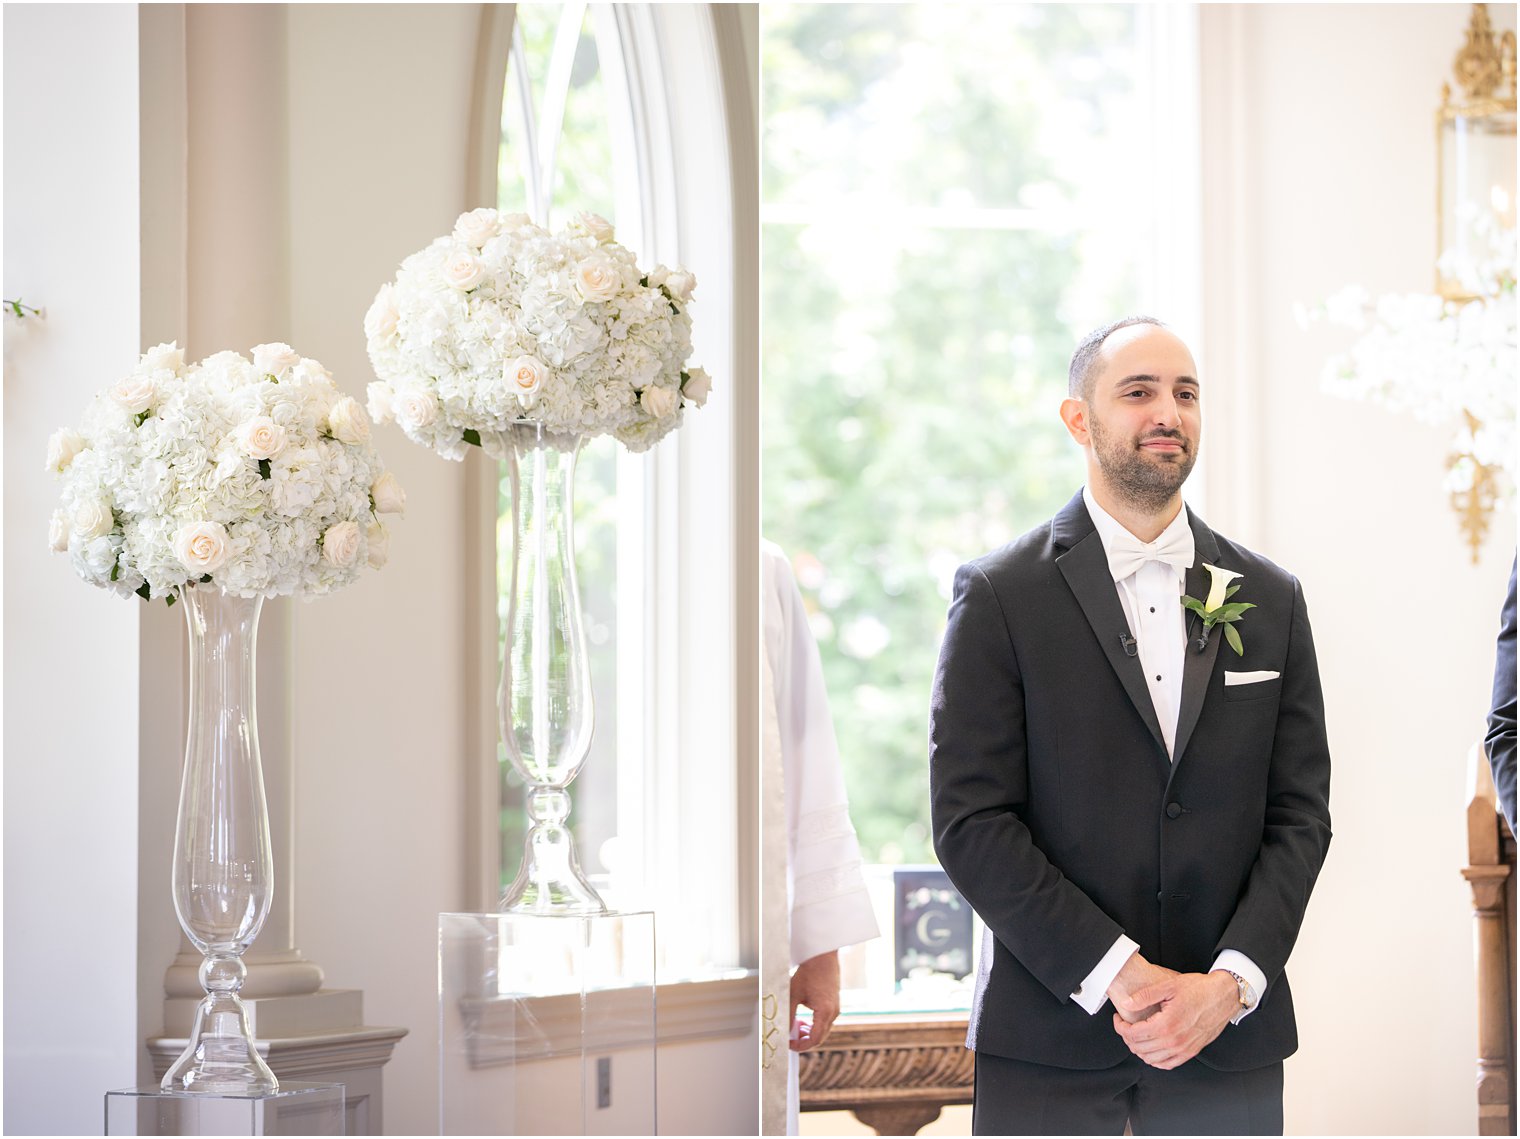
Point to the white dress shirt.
(1152, 601)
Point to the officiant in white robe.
(814, 899)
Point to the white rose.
(381, 396)
(596, 279)
(656, 276)
(275, 359)
(659, 402)
(170, 356)
(62, 447)
(680, 283)
(514, 221)
(698, 384)
(379, 545)
(58, 532)
(380, 320)
(347, 421)
(135, 394)
(414, 410)
(388, 495)
(260, 437)
(311, 371)
(596, 226)
(477, 227)
(201, 547)
(524, 377)
(93, 519)
(464, 271)
(1219, 581)
(340, 545)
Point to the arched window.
(619, 109)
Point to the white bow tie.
(1127, 553)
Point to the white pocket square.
(1232, 678)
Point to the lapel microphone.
(1131, 646)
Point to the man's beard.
(1144, 483)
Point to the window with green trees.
(952, 195)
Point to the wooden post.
(1490, 853)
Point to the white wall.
(1331, 147)
(71, 679)
(709, 1087)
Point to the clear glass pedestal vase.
(545, 702)
(223, 865)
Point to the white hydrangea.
(234, 470)
(503, 321)
(1441, 362)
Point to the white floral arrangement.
(503, 321)
(258, 477)
(1443, 362)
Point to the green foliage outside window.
(942, 217)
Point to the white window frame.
(688, 545)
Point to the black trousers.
(1017, 1098)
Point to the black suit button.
(1173, 810)
(1160, 895)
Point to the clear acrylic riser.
(296, 1109)
(546, 1024)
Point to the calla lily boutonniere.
(1217, 609)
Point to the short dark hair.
(1079, 377)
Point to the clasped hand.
(1165, 1017)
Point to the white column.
(237, 295)
(217, 275)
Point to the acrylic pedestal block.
(546, 1025)
(296, 1109)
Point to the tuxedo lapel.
(1198, 667)
(1084, 565)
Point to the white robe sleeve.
(829, 905)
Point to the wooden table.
(894, 1071)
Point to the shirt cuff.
(1233, 961)
(1093, 990)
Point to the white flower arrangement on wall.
(1444, 362)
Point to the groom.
(1137, 812)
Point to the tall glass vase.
(223, 865)
(545, 699)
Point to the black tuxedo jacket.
(1059, 815)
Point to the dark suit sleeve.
(978, 780)
(1296, 827)
(1500, 741)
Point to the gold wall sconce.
(1475, 205)
(1475, 147)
